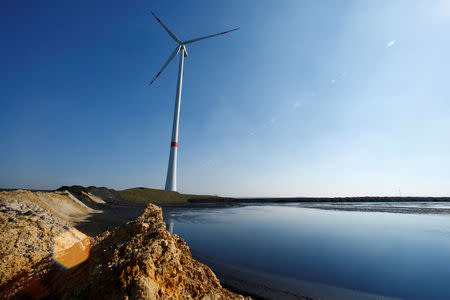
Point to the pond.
(403, 255)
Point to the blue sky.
(313, 98)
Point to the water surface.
(391, 254)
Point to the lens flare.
(71, 248)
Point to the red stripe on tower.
(174, 144)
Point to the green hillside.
(146, 195)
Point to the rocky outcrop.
(139, 260)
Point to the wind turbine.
(171, 181)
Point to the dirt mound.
(43, 256)
(109, 196)
(60, 204)
(140, 260)
(27, 232)
(116, 210)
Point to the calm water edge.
(391, 254)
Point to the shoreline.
(116, 212)
(136, 257)
(363, 199)
(340, 206)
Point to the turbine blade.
(172, 35)
(174, 53)
(209, 36)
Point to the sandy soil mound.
(101, 194)
(60, 204)
(140, 260)
(27, 232)
(116, 211)
(42, 255)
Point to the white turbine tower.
(171, 181)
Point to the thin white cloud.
(333, 81)
(444, 8)
(296, 104)
(390, 44)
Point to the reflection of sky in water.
(403, 255)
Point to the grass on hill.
(146, 195)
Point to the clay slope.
(30, 223)
(60, 204)
(139, 260)
(27, 233)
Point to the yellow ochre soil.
(42, 254)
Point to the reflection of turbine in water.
(171, 225)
